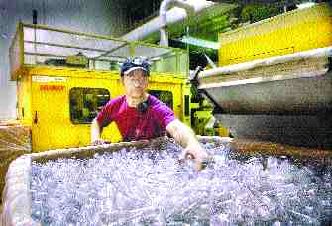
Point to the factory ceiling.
(206, 25)
(225, 15)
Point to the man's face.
(135, 83)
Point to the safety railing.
(42, 45)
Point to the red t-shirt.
(135, 125)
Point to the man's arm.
(96, 131)
(187, 139)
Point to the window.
(85, 103)
(164, 96)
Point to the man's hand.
(96, 130)
(187, 139)
(198, 154)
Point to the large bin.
(15, 140)
(17, 205)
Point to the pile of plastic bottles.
(151, 187)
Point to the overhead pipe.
(165, 5)
(171, 16)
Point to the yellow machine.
(291, 32)
(287, 33)
(64, 78)
(274, 79)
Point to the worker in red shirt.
(139, 115)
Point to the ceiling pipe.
(173, 15)
(165, 5)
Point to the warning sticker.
(38, 78)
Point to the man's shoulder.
(154, 101)
(116, 101)
(157, 104)
(160, 110)
(121, 98)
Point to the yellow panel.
(24, 98)
(53, 128)
(48, 110)
(294, 31)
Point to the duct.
(162, 13)
(173, 15)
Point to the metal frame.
(104, 53)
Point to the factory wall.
(105, 17)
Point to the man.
(139, 115)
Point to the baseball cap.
(131, 64)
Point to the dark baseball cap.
(131, 64)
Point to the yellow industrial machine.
(64, 78)
(290, 32)
(274, 78)
(287, 33)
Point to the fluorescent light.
(305, 5)
(199, 42)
